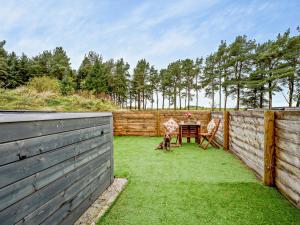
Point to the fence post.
(269, 148)
(157, 123)
(226, 130)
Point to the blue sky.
(160, 31)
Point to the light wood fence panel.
(246, 138)
(287, 143)
(150, 123)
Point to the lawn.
(191, 186)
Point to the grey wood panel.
(18, 190)
(21, 149)
(39, 116)
(13, 172)
(76, 213)
(23, 130)
(66, 195)
(101, 181)
(17, 211)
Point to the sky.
(159, 31)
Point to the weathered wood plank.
(290, 126)
(22, 130)
(287, 146)
(17, 211)
(103, 181)
(288, 179)
(250, 137)
(287, 157)
(258, 114)
(288, 193)
(15, 171)
(15, 151)
(289, 136)
(75, 213)
(289, 168)
(18, 190)
(249, 148)
(40, 214)
(251, 164)
(288, 115)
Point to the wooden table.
(189, 130)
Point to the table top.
(189, 124)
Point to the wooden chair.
(209, 137)
(172, 134)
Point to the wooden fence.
(150, 123)
(268, 143)
(53, 165)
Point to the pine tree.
(209, 78)
(96, 80)
(140, 76)
(60, 63)
(3, 66)
(240, 55)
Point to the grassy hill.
(26, 98)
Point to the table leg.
(180, 137)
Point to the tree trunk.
(189, 91)
(238, 96)
(185, 98)
(261, 99)
(270, 94)
(152, 99)
(220, 92)
(291, 90)
(197, 95)
(157, 100)
(225, 98)
(163, 100)
(298, 101)
(139, 101)
(179, 97)
(175, 98)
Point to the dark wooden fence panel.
(287, 144)
(53, 166)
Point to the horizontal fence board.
(42, 213)
(22, 130)
(12, 151)
(13, 172)
(289, 158)
(13, 193)
(289, 136)
(291, 126)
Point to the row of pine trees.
(249, 72)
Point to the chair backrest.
(216, 127)
(170, 126)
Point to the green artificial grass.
(191, 186)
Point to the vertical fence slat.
(226, 130)
(269, 148)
